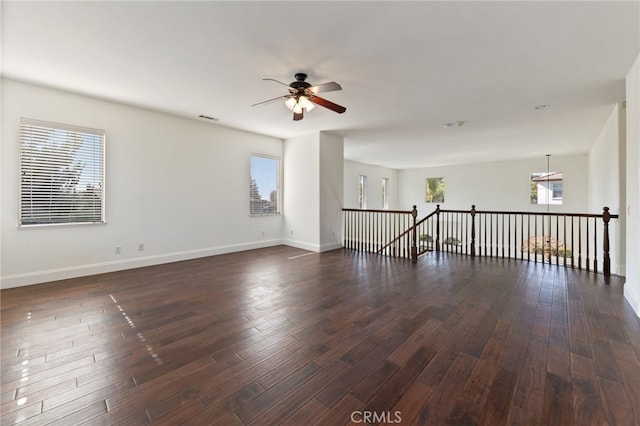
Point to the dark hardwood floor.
(284, 336)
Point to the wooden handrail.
(534, 236)
(377, 211)
(546, 238)
(405, 233)
(592, 215)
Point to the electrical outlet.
(292, 232)
(141, 247)
(263, 233)
(118, 249)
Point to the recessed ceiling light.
(206, 117)
(455, 124)
(541, 107)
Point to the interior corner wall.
(604, 188)
(313, 191)
(632, 284)
(500, 185)
(353, 170)
(177, 185)
(301, 192)
(331, 190)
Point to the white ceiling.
(406, 68)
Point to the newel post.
(606, 266)
(437, 227)
(473, 230)
(414, 236)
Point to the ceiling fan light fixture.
(291, 103)
(298, 104)
(305, 103)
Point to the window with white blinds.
(61, 174)
(264, 185)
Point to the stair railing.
(566, 239)
(386, 232)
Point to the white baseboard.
(301, 245)
(621, 271)
(331, 246)
(37, 277)
(633, 299)
(312, 247)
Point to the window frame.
(278, 180)
(28, 127)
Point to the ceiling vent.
(206, 117)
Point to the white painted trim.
(37, 277)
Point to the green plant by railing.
(452, 241)
(426, 238)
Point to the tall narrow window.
(385, 193)
(264, 186)
(362, 192)
(61, 174)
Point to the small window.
(264, 186)
(61, 174)
(385, 193)
(435, 190)
(546, 188)
(362, 192)
(557, 191)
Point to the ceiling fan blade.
(325, 87)
(271, 100)
(327, 104)
(297, 116)
(291, 89)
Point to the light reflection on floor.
(141, 337)
(24, 374)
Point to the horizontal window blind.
(264, 194)
(62, 174)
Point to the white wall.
(301, 196)
(603, 160)
(632, 285)
(604, 182)
(179, 186)
(313, 198)
(496, 186)
(374, 174)
(331, 184)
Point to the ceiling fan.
(303, 96)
